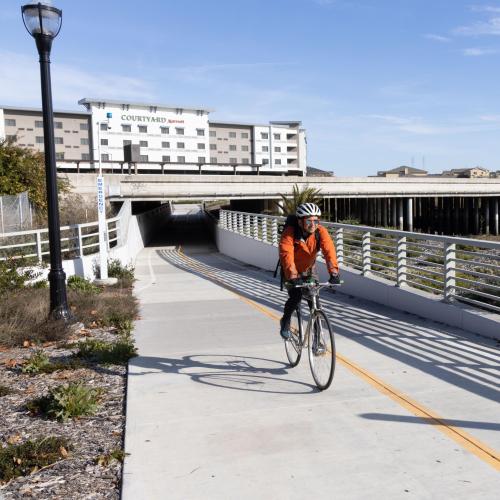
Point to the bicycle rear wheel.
(321, 350)
(293, 345)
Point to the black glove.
(334, 279)
(295, 281)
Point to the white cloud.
(437, 38)
(490, 27)
(20, 79)
(484, 8)
(475, 52)
(490, 118)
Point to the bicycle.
(318, 337)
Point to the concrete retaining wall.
(375, 289)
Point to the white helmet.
(308, 210)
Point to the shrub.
(81, 284)
(36, 362)
(26, 458)
(116, 269)
(113, 353)
(117, 455)
(67, 401)
(15, 274)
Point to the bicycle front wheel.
(293, 345)
(321, 350)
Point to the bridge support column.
(456, 216)
(487, 204)
(410, 214)
(394, 212)
(495, 217)
(476, 216)
(400, 214)
(467, 214)
(384, 212)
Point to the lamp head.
(41, 20)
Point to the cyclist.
(298, 249)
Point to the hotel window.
(233, 160)
(126, 128)
(178, 111)
(166, 159)
(58, 125)
(9, 122)
(38, 124)
(165, 130)
(59, 156)
(165, 144)
(143, 158)
(103, 126)
(84, 126)
(201, 159)
(265, 161)
(277, 162)
(212, 133)
(263, 135)
(84, 141)
(200, 132)
(180, 145)
(213, 146)
(232, 147)
(245, 161)
(201, 145)
(265, 148)
(85, 156)
(179, 130)
(126, 142)
(104, 157)
(39, 139)
(277, 149)
(244, 148)
(213, 159)
(232, 134)
(244, 135)
(181, 159)
(11, 137)
(104, 142)
(277, 136)
(143, 144)
(143, 129)
(58, 140)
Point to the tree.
(305, 195)
(23, 169)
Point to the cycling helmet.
(308, 210)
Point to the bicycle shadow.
(227, 371)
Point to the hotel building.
(164, 134)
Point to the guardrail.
(463, 269)
(77, 240)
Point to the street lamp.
(43, 23)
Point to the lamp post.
(43, 23)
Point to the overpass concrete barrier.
(265, 255)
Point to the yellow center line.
(485, 453)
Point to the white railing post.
(246, 220)
(39, 246)
(450, 254)
(239, 223)
(339, 244)
(234, 221)
(265, 239)
(80, 243)
(274, 229)
(255, 227)
(223, 219)
(366, 253)
(401, 269)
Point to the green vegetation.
(307, 194)
(107, 353)
(81, 284)
(67, 401)
(22, 169)
(39, 362)
(117, 455)
(27, 458)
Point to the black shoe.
(285, 329)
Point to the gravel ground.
(79, 475)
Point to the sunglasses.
(310, 222)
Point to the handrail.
(451, 261)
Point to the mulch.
(81, 475)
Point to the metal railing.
(461, 269)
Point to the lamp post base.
(106, 281)
(58, 301)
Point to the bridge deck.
(213, 411)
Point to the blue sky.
(376, 83)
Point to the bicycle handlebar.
(311, 285)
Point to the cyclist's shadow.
(227, 371)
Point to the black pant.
(294, 298)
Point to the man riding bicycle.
(298, 249)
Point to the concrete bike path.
(213, 411)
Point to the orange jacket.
(298, 256)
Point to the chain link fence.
(15, 213)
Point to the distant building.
(403, 171)
(473, 172)
(317, 172)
